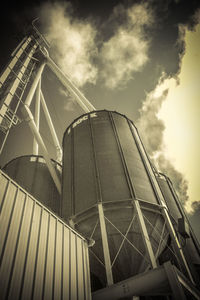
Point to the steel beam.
(34, 85)
(37, 116)
(65, 80)
(153, 282)
(106, 252)
(145, 234)
(177, 290)
(52, 129)
(165, 280)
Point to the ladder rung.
(17, 75)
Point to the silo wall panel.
(40, 256)
(84, 172)
(134, 161)
(108, 159)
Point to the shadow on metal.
(165, 280)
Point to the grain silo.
(31, 173)
(110, 194)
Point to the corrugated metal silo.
(104, 162)
(32, 174)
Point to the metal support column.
(145, 234)
(105, 245)
(37, 116)
(34, 84)
(29, 118)
(176, 243)
(52, 129)
(79, 97)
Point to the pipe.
(29, 117)
(37, 116)
(79, 97)
(34, 85)
(52, 129)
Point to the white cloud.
(152, 127)
(74, 47)
(72, 42)
(169, 122)
(126, 51)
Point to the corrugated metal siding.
(40, 256)
(103, 161)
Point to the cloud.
(126, 52)
(72, 42)
(152, 127)
(149, 124)
(75, 48)
(69, 102)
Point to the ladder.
(13, 82)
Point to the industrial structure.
(99, 222)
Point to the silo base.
(166, 280)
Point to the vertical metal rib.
(97, 181)
(16, 246)
(27, 250)
(36, 256)
(126, 171)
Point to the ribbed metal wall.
(40, 256)
(102, 162)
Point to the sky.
(140, 58)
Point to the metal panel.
(21, 251)
(136, 168)
(50, 259)
(73, 269)
(39, 269)
(83, 160)
(41, 257)
(113, 183)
